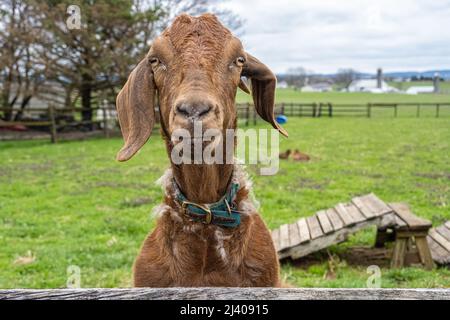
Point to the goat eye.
(240, 61)
(154, 62)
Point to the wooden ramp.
(439, 243)
(334, 225)
(331, 226)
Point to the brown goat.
(195, 67)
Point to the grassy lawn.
(445, 86)
(72, 204)
(291, 95)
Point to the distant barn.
(318, 87)
(370, 85)
(420, 90)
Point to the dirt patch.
(137, 202)
(19, 169)
(124, 185)
(34, 167)
(434, 176)
(362, 173)
(306, 183)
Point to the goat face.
(196, 66)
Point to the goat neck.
(202, 183)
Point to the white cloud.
(324, 35)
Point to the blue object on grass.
(281, 119)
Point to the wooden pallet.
(439, 243)
(331, 226)
(334, 225)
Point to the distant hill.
(428, 74)
(445, 74)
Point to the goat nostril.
(196, 111)
(204, 111)
(184, 110)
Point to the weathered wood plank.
(447, 224)
(335, 220)
(439, 254)
(324, 222)
(413, 222)
(344, 215)
(303, 230)
(284, 237)
(379, 207)
(294, 235)
(440, 239)
(315, 230)
(226, 294)
(400, 224)
(364, 207)
(354, 213)
(329, 239)
(276, 238)
(443, 231)
(398, 255)
(424, 252)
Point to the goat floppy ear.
(263, 90)
(135, 108)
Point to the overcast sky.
(325, 35)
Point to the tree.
(345, 76)
(112, 36)
(39, 51)
(297, 77)
(20, 67)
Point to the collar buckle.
(208, 219)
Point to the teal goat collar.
(223, 213)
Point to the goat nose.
(193, 111)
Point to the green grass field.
(72, 204)
(291, 95)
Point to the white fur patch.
(166, 180)
(192, 228)
(163, 209)
(160, 210)
(220, 238)
(175, 216)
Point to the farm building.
(318, 87)
(420, 90)
(370, 85)
(282, 85)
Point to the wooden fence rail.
(226, 294)
(53, 119)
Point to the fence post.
(282, 108)
(51, 114)
(314, 110)
(292, 109)
(247, 115)
(105, 121)
(330, 110)
(369, 110)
